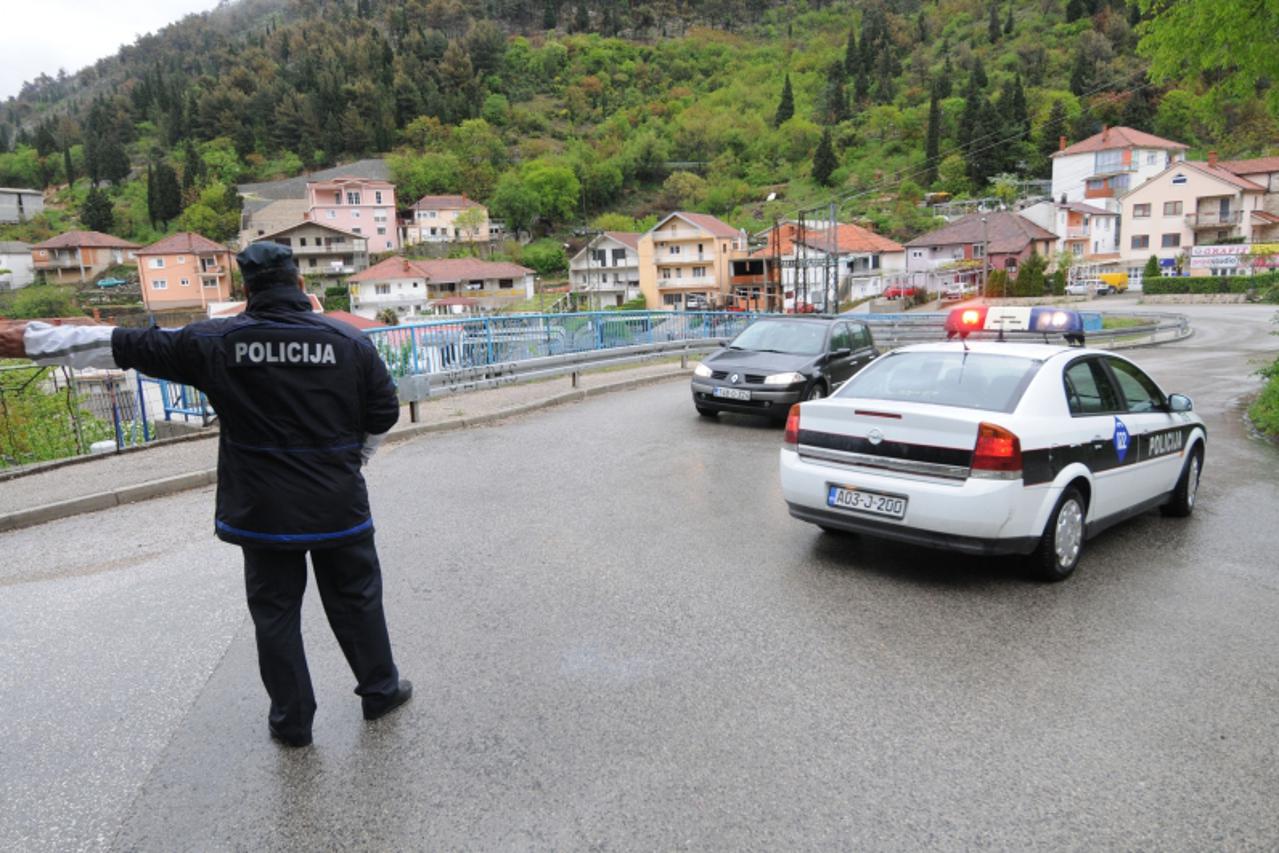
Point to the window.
(388, 244)
(1179, 178)
(381, 230)
(1170, 241)
(185, 282)
(1172, 208)
(355, 214)
(1088, 389)
(337, 196)
(841, 338)
(302, 241)
(666, 272)
(210, 282)
(182, 259)
(331, 214)
(916, 253)
(1140, 392)
(1151, 158)
(699, 272)
(159, 284)
(970, 380)
(352, 197)
(356, 231)
(1141, 211)
(619, 257)
(979, 250)
(377, 196)
(861, 336)
(310, 262)
(674, 250)
(505, 283)
(1141, 241)
(382, 289)
(1011, 264)
(156, 263)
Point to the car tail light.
(997, 454)
(792, 427)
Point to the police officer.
(303, 401)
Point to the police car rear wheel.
(1182, 503)
(1062, 542)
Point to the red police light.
(962, 321)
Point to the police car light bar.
(1044, 319)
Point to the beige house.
(323, 251)
(445, 219)
(80, 256)
(414, 288)
(186, 270)
(1192, 203)
(685, 261)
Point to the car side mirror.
(723, 343)
(1180, 403)
(842, 352)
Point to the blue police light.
(1056, 321)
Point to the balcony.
(755, 279)
(1079, 233)
(688, 281)
(58, 262)
(682, 259)
(675, 235)
(1215, 219)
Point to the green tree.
(556, 187)
(1051, 132)
(167, 201)
(96, 213)
(514, 202)
(932, 142)
(1151, 269)
(1219, 42)
(834, 98)
(547, 257)
(786, 107)
(824, 161)
(993, 30)
(1031, 280)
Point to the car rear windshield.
(968, 380)
(797, 337)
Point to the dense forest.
(562, 112)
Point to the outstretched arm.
(73, 346)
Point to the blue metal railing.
(440, 346)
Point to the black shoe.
(295, 742)
(402, 694)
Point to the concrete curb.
(199, 479)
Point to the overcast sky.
(45, 35)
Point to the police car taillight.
(791, 436)
(998, 452)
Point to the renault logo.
(874, 436)
(735, 379)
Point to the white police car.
(994, 447)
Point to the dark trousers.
(350, 582)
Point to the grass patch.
(1109, 322)
(1264, 411)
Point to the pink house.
(356, 205)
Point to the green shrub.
(1264, 411)
(1211, 284)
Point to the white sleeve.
(72, 346)
(371, 443)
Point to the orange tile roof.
(626, 238)
(705, 221)
(1120, 137)
(1255, 166)
(1007, 233)
(849, 238)
(450, 269)
(86, 240)
(1222, 174)
(184, 243)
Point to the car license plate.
(732, 393)
(861, 500)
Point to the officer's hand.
(11, 345)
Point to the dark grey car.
(778, 361)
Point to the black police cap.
(267, 262)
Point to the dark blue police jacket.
(295, 393)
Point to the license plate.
(732, 393)
(861, 500)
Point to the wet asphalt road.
(621, 641)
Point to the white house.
(1087, 232)
(19, 205)
(16, 267)
(449, 286)
(607, 269)
(1106, 165)
(434, 219)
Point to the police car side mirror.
(1180, 403)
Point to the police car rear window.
(967, 380)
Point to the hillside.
(555, 113)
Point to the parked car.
(777, 361)
(901, 291)
(994, 448)
(1079, 288)
(956, 292)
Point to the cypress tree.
(1008, 22)
(1082, 74)
(115, 162)
(96, 212)
(1152, 268)
(192, 169)
(1139, 112)
(851, 54)
(834, 99)
(932, 143)
(67, 166)
(550, 15)
(993, 30)
(824, 161)
(785, 108)
(944, 83)
(582, 23)
(979, 75)
(1053, 128)
(168, 195)
(150, 194)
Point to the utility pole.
(832, 265)
(985, 257)
(801, 260)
